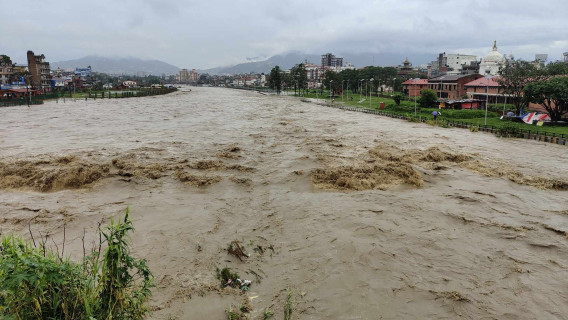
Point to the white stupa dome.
(492, 61)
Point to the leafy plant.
(509, 129)
(234, 314)
(36, 283)
(225, 274)
(473, 128)
(397, 97)
(428, 98)
(289, 306)
(267, 314)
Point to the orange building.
(413, 87)
(489, 90)
(484, 89)
(451, 86)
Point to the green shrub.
(428, 98)
(36, 283)
(461, 114)
(474, 128)
(509, 129)
(397, 97)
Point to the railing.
(556, 138)
(39, 99)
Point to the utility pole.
(371, 91)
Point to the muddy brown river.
(358, 216)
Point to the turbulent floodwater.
(362, 217)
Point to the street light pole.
(330, 89)
(371, 91)
(393, 83)
(347, 89)
(28, 90)
(342, 90)
(487, 99)
(416, 84)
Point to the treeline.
(369, 78)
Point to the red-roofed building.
(18, 93)
(485, 87)
(489, 89)
(413, 87)
(451, 87)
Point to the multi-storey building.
(329, 60)
(451, 86)
(413, 87)
(187, 76)
(83, 73)
(451, 63)
(183, 75)
(6, 70)
(193, 75)
(39, 71)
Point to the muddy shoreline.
(366, 217)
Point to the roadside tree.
(428, 98)
(299, 77)
(276, 79)
(551, 93)
(397, 97)
(515, 75)
(332, 81)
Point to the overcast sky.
(210, 33)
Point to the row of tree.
(523, 81)
(526, 82)
(351, 79)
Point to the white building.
(492, 62)
(457, 61)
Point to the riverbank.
(94, 94)
(463, 118)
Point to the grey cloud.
(200, 34)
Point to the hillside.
(131, 66)
(287, 61)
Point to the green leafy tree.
(551, 93)
(514, 76)
(276, 79)
(557, 68)
(351, 76)
(299, 77)
(332, 81)
(397, 97)
(428, 98)
(5, 60)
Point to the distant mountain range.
(134, 66)
(287, 61)
(129, 66)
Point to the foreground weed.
(234, 314)
(267, 314)
(36, 283)
(289, 306)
